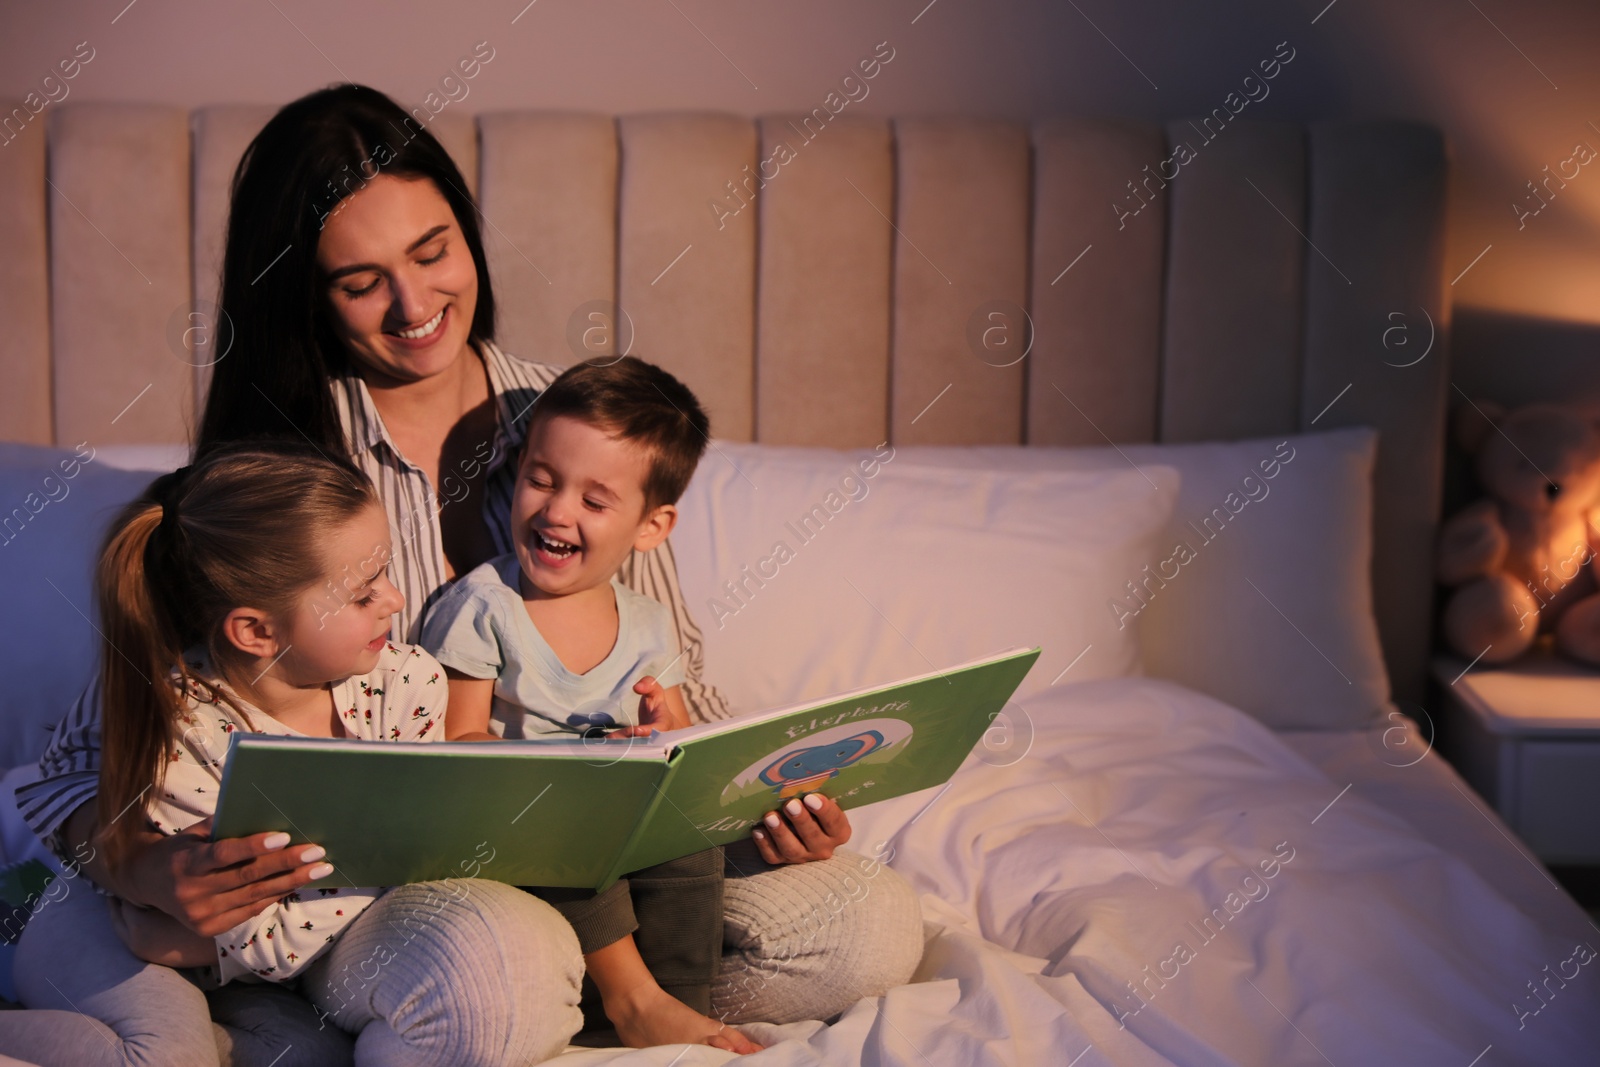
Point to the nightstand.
(1527, 737)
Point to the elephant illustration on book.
(803, 764)
(798, 770)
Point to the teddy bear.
(1522, 562)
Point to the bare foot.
(652, 1016)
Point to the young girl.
(249, 593)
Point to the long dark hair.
(242, 526)
(313, 153)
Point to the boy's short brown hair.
(638, 402)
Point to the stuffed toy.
(1523, 561)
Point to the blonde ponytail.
(140, 708)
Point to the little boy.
(543, 641)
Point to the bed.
(1194, 451)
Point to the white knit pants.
(455, 973)
(94, 1004)
(808, 940)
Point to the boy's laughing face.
(579, 507)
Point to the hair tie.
(165, 491)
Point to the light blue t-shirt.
(481, 628)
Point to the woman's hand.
(208, 886)
(800, 833)
(213, 886)
(156, 937)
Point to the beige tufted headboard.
(844, 300)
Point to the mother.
(363, 315)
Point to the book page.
(865, 746)
(527, 813)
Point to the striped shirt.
(69, 770)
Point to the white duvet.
(1160, 880)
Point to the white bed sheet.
(1051, 884)
(1393, 767)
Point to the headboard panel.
(962, 211)
(1098, 285)
(549, 199)
(689, 288)
(839, 301)
(1378, 211)
(1234, 285)
(825, 280)
(120, 212)
(26, 412)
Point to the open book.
(581, 813)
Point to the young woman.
(372, 337)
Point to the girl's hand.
(659, 709)
(800, 833)
(156, 937)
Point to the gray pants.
(462, 972)
(97, 1004)
(459, 972)
(806, 941)
(446, 973)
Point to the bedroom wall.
(1511, 84)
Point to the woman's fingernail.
(771, 820)
(793, 807)
(758, 835)
(313, 854)
(321, 870)
(814, 801)
(275, 841)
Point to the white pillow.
(57, 504)
(1297, 650)
(901, 571)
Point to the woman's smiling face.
(399, 279)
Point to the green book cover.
(581, 813)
